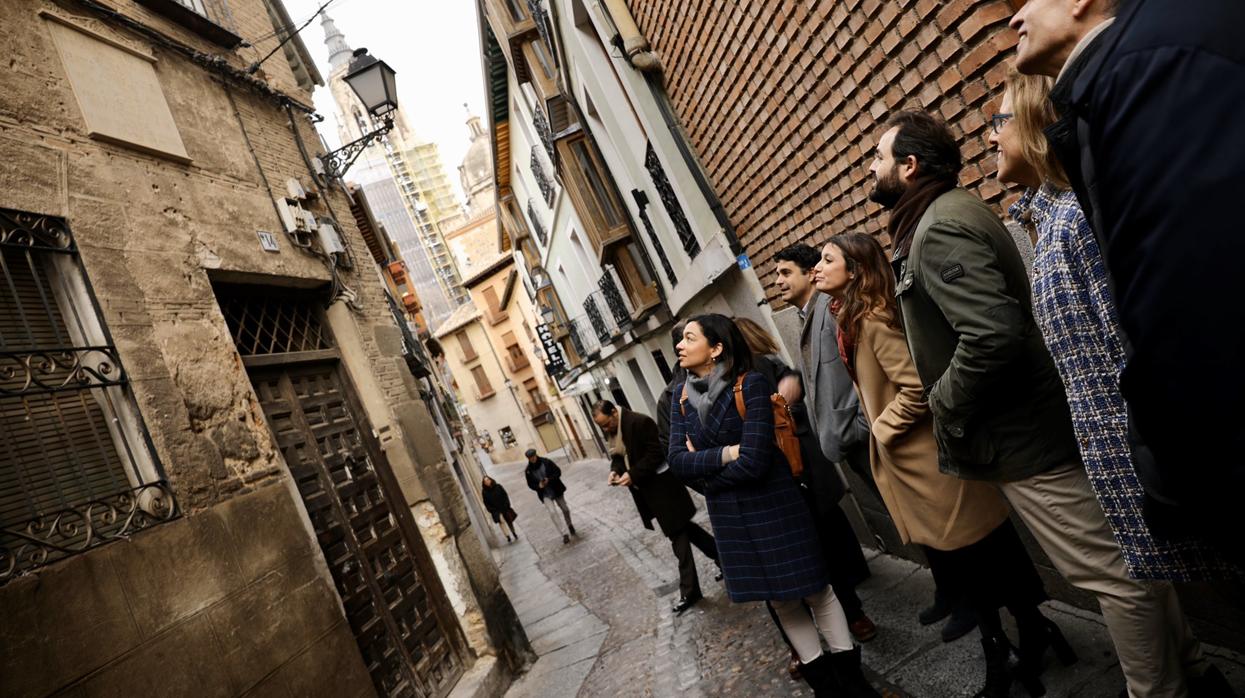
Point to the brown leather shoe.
(863, 629)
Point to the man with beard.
(638, 463)
(999, 407)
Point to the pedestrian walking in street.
(766, 541)
(822, 488)
(1145, 106)
(497, 502)
(544, 477)
(833, 408)
(638, 464)
(961, 525)
(999, 407)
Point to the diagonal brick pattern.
(782, 100)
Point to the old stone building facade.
(219, 475)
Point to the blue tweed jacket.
(766, 542)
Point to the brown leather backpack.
(784, 424)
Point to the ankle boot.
(851, 680)
(998, 678)
(819, 675)
(1035, 639)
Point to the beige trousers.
(1152, 639)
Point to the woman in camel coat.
(962, 525)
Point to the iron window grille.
(263, 322)
(543, 25)
(671, 202)
(542, 179)
(641, 201)
(537, 226)
(542, 129)
(77, 469)
(598, 321)
(614, 299)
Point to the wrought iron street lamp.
(547, 313)
(374, 84)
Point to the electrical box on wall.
(330, 241)
(295, 189)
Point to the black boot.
(851, 680)
(941, 608)
(1035, 638)
(998, 677)
(1211, 684)
(963, 620)
(819, 675)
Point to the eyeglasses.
(997, 121)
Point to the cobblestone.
(598, 613)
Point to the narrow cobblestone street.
(597, 612)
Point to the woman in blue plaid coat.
(767, 545)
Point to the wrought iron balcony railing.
(611, 290)
(54, 536)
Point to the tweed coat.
(767, 545)
(928, 506)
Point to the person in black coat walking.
(544, 477)
(638, 463)
(497, 502)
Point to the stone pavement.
(597, 612)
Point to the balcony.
(397, 271)
(620, 309)
(536, 409)
(517, 363)
(411, 303)
(582, 338)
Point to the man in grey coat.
(1000, 412)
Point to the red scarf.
(846, 340)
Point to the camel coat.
(928, 507)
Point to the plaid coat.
(766, 542)
(1074, 308)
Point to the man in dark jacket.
(1163, 201)
(544, 477)
(1000, 412)
(638, 463)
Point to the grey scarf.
(702, 393)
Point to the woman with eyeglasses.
(1075, 311)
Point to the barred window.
(76, 467)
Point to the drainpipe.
(634, 45)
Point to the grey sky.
(434, 47)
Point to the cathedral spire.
(339, 50)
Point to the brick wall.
(783, 100)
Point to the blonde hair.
(759, 341)
(1033, 112)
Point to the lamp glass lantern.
(546, 312)
(373, 82)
